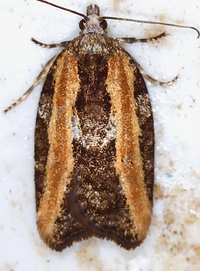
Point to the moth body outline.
(93, 170)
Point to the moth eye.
(103, 24)
(82, 24)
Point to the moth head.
(93, 23)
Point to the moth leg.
(149, 78)
(154, 81)
(63, 44)
(37, 81)
(134, 40)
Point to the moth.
(94, 140)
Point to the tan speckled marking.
(60, 156)
(129, 165)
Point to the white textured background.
(173, 242)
